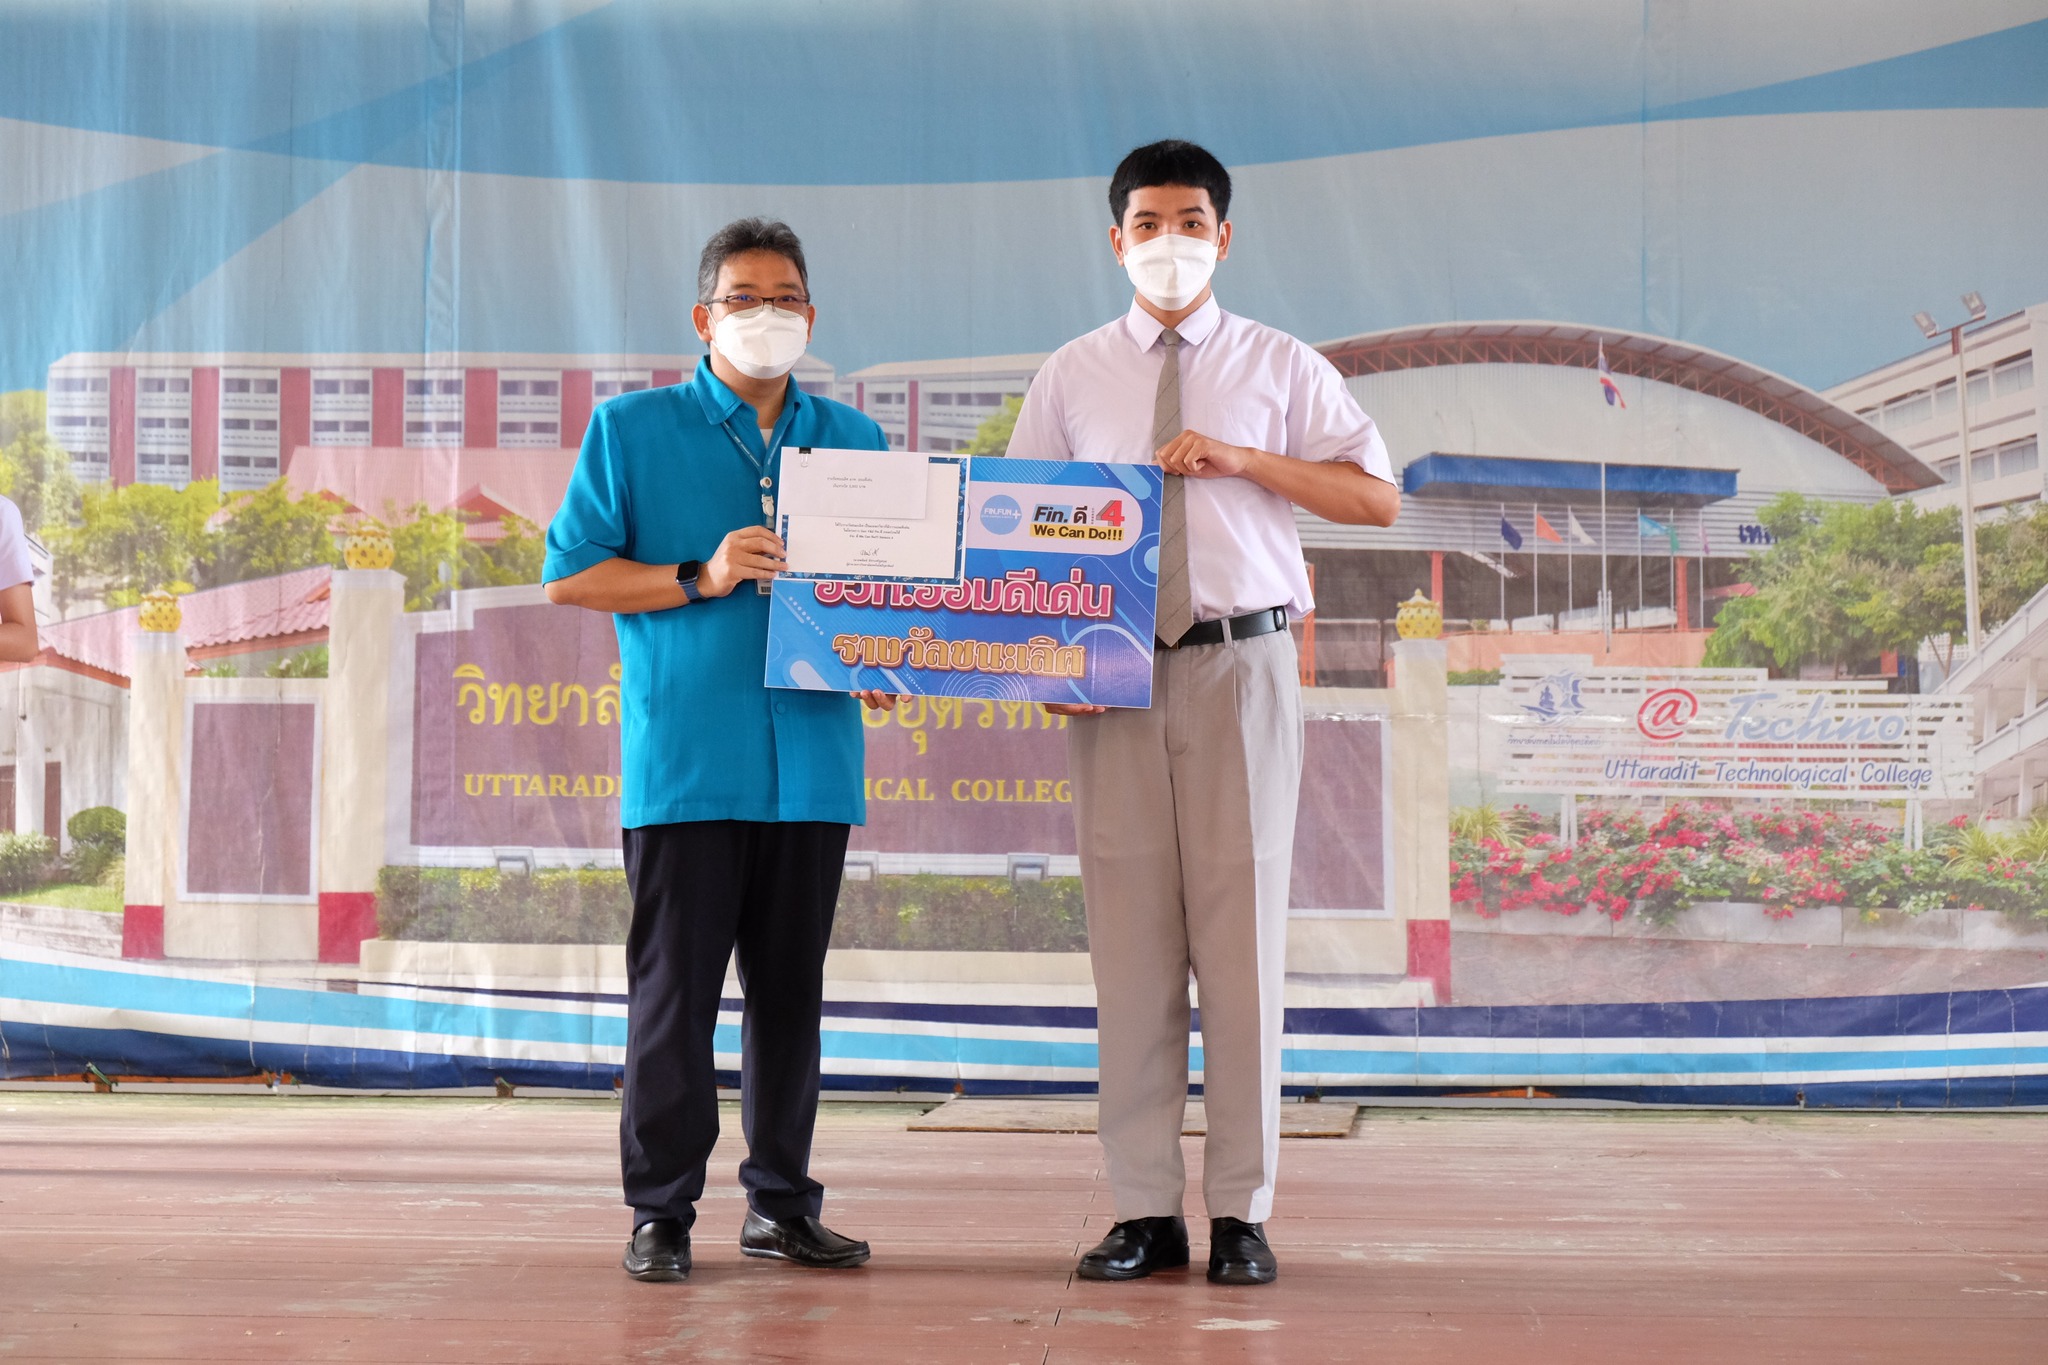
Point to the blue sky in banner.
(1786, 183)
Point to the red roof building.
(486, 484)
(288, 611)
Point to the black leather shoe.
(1238, 1253)
(659, 1252)
(803, 1240)
(1136, 1248)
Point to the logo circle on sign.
(1666, 712)
(1001, 514)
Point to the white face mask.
(762, 343)
(1171, 270)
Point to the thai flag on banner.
(1545, 531)
(1608, 388)
(1650, 526)
(1509, 533)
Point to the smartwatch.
(686, 579)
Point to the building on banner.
(1522, 483)
(937, 404)
(2007, 683)
(173, 418)
(1568, 727)
(69, 745)
(1913, 400)
(1526, 490)
(484, 486)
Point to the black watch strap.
(686, 579)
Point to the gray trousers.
(1185, 819)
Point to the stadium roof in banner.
(1655, 358)
(1491, 478)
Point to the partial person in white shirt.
(18, 643)
(1184, 812)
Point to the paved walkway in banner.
(144, 1228)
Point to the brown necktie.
(1176, 611)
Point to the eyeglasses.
(740, 303)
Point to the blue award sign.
(1055, 606)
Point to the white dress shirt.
(1242, 383)
(15, 565)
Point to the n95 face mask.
(762, 343)
(1171, 270)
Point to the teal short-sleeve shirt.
(661, 480)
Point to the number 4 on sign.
(1112, 513)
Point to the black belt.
(1236, 628)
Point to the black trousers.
(702, 891)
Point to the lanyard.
(762, 585)
(767, 483)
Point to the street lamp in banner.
(1974, 302)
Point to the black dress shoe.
(1238, 1253)
(1136, 1248)
(803, 1240)
(659, 1252)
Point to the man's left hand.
(1204, 457)
(877, 701)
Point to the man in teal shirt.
(736, 800)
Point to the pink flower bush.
(1659, 863)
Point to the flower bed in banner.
(1657, 865)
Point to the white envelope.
(829, 533)
(854, 483)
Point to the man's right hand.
(750, 552)
(1073, 708)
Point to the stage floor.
(298, 1228)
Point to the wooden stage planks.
(294, 1228)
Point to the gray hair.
(737, 239)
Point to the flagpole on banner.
(1703, 567)
(1535, 569)
(1671, 572)
(1606, 595)
(1505, 623)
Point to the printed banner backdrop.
(1653, 754)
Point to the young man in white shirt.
(1185, 811)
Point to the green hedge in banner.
(25, 860)
(484, 905)
(99, 834)
(962, 914)
(590, 905)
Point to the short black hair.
(739, 237)
(1171, 162)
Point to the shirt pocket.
(1246, 417)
